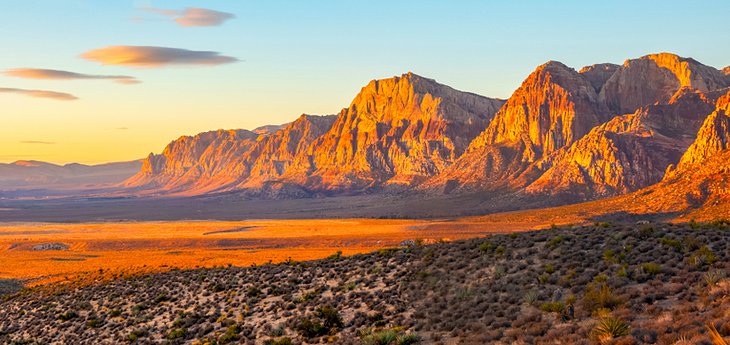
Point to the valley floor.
(36, 253)
(613, 283)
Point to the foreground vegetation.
(605, 283)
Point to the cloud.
(193, 16)
(61, 96)
(149, 56)
(37, 73)
(37, 142)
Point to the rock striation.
(628, 152)
(400, 130)
(554, 107)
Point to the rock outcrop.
(573, 136)
(628, 152)
(554, 107)
(700, 184)
(195, 164)
(273, 155)
(400, 130)
(713, 136)
(656, 78)
(598, 74)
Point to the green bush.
(309, 328)
(486, 246)
(555, 241)
(599, 295)
(331, 319)
(176, 333)
(651, 268)
(676, 244)
(68, 315)
(136, 334)
(231, 335)
(552, 307)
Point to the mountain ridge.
(605, 130)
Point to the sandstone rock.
(713, 136)
(268, 129)
(654, 79)
(400, 130)
(192, 162)
(554, 107)
(627, 153)
(270, 158)
(598, 74)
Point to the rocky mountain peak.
(655, 78)
(598, 74)
(398, 130)
(712, 138)
(553, 107)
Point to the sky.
(111, 80)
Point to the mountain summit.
(571, 135)
(400, 130)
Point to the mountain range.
(658, 122)
(30, 174)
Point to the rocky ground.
(610, 283)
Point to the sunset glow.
(132, 76)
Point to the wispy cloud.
(61, 96)
(37, 142)
(193, 16)
(37, 73)
(150, 56)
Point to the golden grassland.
(38, 253)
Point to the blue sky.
(303, 57)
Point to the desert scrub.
(326, 320)
(486, 246)
(68, 315)
(389, 337)
(599, 295)
(280, 341)
(231, 335)
(552, 307)
(176, 333)
(555, 241)
(651, 268)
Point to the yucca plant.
(609, 328)
(715, 335)
(682, 340)
(713, 277)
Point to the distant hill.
(23, 175)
